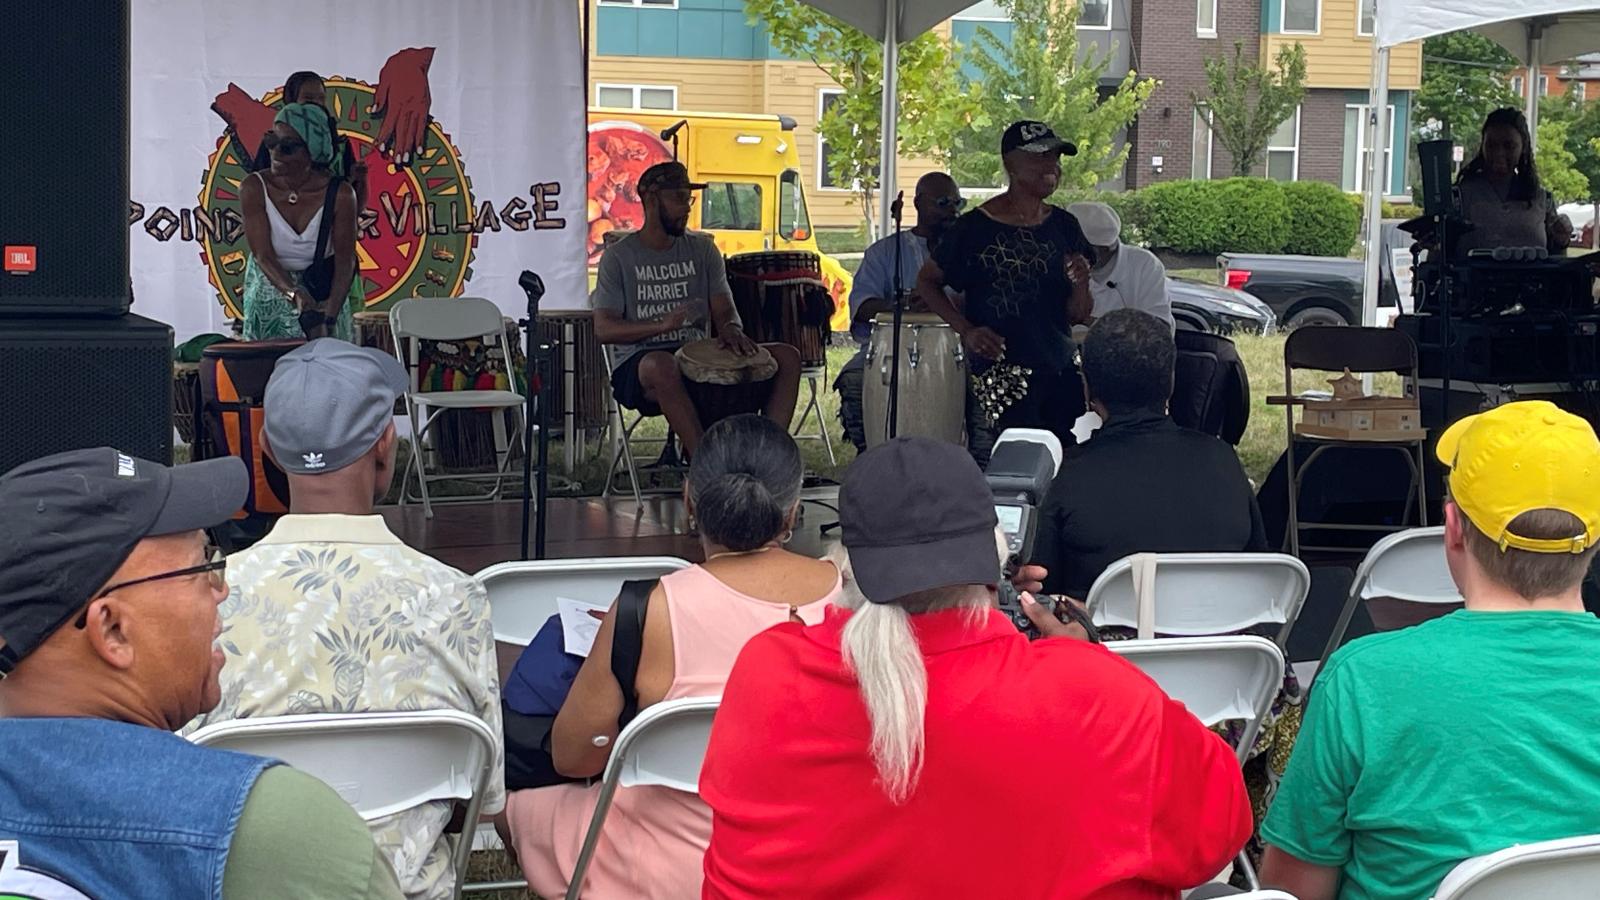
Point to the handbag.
(527, 737)
(317, 279)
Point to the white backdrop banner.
(487, 94)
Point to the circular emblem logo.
(417, 230)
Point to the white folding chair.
(814, 377)
(415, 320)
(622, 437)
(1565, 869)
(1201, 593)
(522, 593)
(1408, 566)
(663, 746)
(1219, 679)
(379, 762)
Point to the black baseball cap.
(916, 514)
(69, 521)
(1034, 137)
(671, 176)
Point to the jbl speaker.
(1436, 159)
(64, 213)
(85, 382)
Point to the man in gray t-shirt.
(660, 288)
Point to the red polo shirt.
(1052, 769)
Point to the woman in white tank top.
(283, 212)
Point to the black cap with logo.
(916, 514)
(69, 521)
(1034, 137)
(667, 176)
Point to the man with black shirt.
(1141, 483)
(1024, 268)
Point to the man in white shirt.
(1123, 276)
(938, 202)
(331, 613)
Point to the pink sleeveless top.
(654, 838)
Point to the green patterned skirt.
(269, 316)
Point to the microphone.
(898, 206)
(671, 131)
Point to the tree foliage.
(1246, 102)
(1558, 172)
(1043, 73)
(1465, 76)
(931, 102)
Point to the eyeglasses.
(284, 146)
(956, 203)
(687, 198)
(216, 568)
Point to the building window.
(1283, 150)
(1581, 89)
(636, 96)
(1544, 85)
(1205, 18)
(668, 4)
(825, 100)
(1201, 146)
(1364, 27)
(731, 206)
(1357, 155)
(1094, 14)
(1516, 85)
(1301, 16)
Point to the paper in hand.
(578, 626)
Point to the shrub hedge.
(1320, 222)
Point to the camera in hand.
(1020, 470)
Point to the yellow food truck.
(755, 199)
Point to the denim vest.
(118, 810)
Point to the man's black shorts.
(625, 384)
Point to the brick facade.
(1322, 136)
(1167, 47)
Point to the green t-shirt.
(297, 838)
(1455, 738)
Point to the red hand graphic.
(248, 118)
(404, 102)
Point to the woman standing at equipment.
(287, 293)
(1501, 195)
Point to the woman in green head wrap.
(283, 211)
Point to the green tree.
(1043, 73)
(1465, 76)
(1245, 102)
(931, 101)
(1557, 164)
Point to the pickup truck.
(1321, 290)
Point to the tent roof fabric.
(1569, 28)
(916, 16)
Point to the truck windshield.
(731, 206)
(793, 222)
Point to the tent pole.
(888, 133)
(1376, 172)
(1535, 63)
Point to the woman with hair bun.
(743, 493)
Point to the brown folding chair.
(1364, 351)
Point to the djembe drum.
(782, 299)
(721, 383)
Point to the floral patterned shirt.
(332, 613)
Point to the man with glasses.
(938, 202)
(332, 613)
(662, 287)
(108, 618)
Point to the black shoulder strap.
(627, 643)
(326, 226)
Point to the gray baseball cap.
(327, 403)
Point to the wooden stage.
(471, 536)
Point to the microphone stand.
(897, 209)
(537, 371)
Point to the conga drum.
(185, 394)
(933, 379)
(233, 384)
(782, 299)
(722, 383)
(372, 329)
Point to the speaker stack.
(79, 370)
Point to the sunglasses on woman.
(216, 569)
(284, 146)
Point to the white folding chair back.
(522, 593)
(1565, 869)
(663, 746)
(1218, 679)
(1205, 593)
(1407, 565)
(379, 762)
(446, 319)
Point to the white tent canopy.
(893, 22)
(1533, 30)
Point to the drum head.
(707, 362)
(926, 320)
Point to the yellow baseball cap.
(1521, 457)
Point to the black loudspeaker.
(64, 207)
(85, 382)
(1436, 159)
